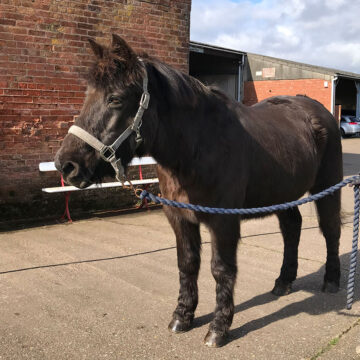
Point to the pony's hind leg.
(188, 244)
(328, 209)
(224, 238)
(290, 225)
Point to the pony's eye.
(114, 101)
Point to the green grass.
(334, 341)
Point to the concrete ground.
(105, 288)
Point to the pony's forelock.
(113, 70)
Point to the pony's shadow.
(317, 304)
(351, 164)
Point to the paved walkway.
(105, 288)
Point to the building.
(252, 78)
(338, 91)
(44, 53)
(218, 66)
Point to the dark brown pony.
(216, 152)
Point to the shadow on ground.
(317, 304)
(351, 164)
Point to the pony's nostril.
(69, 168)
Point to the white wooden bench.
(67, 189)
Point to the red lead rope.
(67, 197)
(144, 201)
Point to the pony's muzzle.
(70, 171)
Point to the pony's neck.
(181, 108)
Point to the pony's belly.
(279, 193)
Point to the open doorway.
(218, 67)
(345, 99)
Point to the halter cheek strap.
(107, 152)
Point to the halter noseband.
(107, 152)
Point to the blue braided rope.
(354, 180)
(354, 250)
(260, 210)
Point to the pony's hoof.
(281, 288)
(330, 287)
(213, 339)
(177, 326)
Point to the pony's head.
(115, 89)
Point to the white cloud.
(335, 4)
(287, 34)
(322, 32)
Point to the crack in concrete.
(281, 253)
(334, 341)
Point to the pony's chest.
(171, 188)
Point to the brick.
(7, 22)
(44, 49)
(255, 91)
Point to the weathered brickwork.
(43, 55)
(255, 91)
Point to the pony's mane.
(112, 69)
(179, 87)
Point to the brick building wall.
(255, 91)
(43, 55)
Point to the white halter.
(107, 152)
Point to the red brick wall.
(255, 91)
(43, 52)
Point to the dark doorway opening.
(217, 67)
(346, 96)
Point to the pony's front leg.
(188, 243)
(225, 233)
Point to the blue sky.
(320, 32)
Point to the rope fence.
(352, 181)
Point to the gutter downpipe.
(333, 93)
(357, 84)
(239, 92)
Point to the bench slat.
(60, 189)
(146, 160)
(47, 166)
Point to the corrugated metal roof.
(315, 68)
(196, 44)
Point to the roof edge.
(215, 48)
(310, 67)
(316, 68)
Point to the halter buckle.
(138, 138)
(107, 153)
(119, 170)
(144, 101)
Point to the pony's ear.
(96, 48)
(122, 49)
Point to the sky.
(318, 32)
